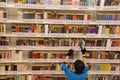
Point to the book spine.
(1, 29)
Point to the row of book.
(67, 29)
(32, 77)
(103, 55)
(59, 16)
(54, 29)
(11, 55)
(106, 29)
(3, 14)
(30, 29)
(66, 2)
(74, 29)
(64, 29)
(111, 2)
(92, 29)
(65, 42)
(13, 67)
(108, 17)
(92, 67)
(42, 55)
(31, 15)
(107, 77)
(59, 42)
(29, 67)
(64, 16)
(55, 15)
(111, 29)
(95, 42)
(56, 67)
(105, 67)
(4, 41)
(45, 77)
(3, 1)
(5, 55)
(45, 42)
(52, 15)
(19, 55)
(54, 2)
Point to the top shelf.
(59, 7)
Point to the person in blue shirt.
(80, 66)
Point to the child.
(80, 66)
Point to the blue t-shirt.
(73, 76)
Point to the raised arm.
(83, 50)
(85, 61)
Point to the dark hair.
(79, 66)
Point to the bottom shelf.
(56, 77)
(32, 77)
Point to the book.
(4, 14)
(4, 1)
(115, 43)
(118, 30)
(1, 28)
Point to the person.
(80, 66)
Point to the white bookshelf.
(61, 35)
(7, 6)
(89, 48)
(59, 7)
(95, 61)
(56, 72)
(52, 21)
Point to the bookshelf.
(36, 34)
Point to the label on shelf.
(115, 48)
(40, 21)
(83, 7)
(24, 48)
(75, 35)
(65, 7)
(4, 47)
(29, 6)
(25, 34)
(75, 22)
(53, 21)
(95, 48)
(89, 35)
(117, 35)
(29, 20)
(112, 36)
(57, 35)
(100, 61)
(108, 22)
(111, 8)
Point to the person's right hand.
(70, 52)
